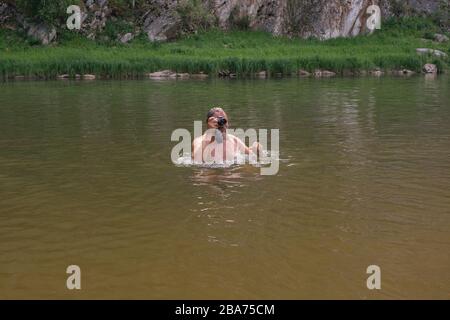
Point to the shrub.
(194, 16)
(50, 11)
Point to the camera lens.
(221, 121)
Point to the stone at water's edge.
(430, 68)
(164, 74)
(324, 73)
(303, 73)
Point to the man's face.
(217, 114)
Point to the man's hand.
(257, 148)
(212, 122)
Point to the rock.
(7, 13)
(436, 53)
(162, 74)
(62, 76)
(126, 37)
(183, 75)
(376, 73)
(440, 37)
(162, 24)
(224, 73)
(42, 32)
(324, 73)
(262, 74)
(403, 72)
(168, 74)
(199, 76)
(88, 76)
(322, 19)
(303, 73)
(430, 68)
(162, 30)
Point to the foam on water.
(240, 159)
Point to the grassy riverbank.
(241, 52)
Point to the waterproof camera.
(221, 121)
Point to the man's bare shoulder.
(234, 138)
(200, 140)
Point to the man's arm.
(197, 150)
(255, 149)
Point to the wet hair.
(212, 111)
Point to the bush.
(194, 16)
(442, 15)
(50, 11)
(115, 28)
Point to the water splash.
(240, 159)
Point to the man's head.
(218, 114)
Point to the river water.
(364, 179)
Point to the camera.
(221, 121)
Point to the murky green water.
(86, 179)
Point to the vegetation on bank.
(241, 52)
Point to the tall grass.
(240, 52)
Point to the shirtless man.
(205, 146)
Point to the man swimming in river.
(217, 144)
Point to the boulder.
(430, 68)
(183, 75)
(440, 37)
(436, 53)
(162, 29)
(162, 74)
(261, 74)
(403, 72)
(42, 32)
(200, 76)
(303, 73)
(162, 23)
(324, 73)
(126, 38)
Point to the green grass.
(241, 52)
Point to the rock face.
(318, 18)
(323, 19)
(12, 19)
(94, 17)
(264, 15)
(7, 13)
(161, 20)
